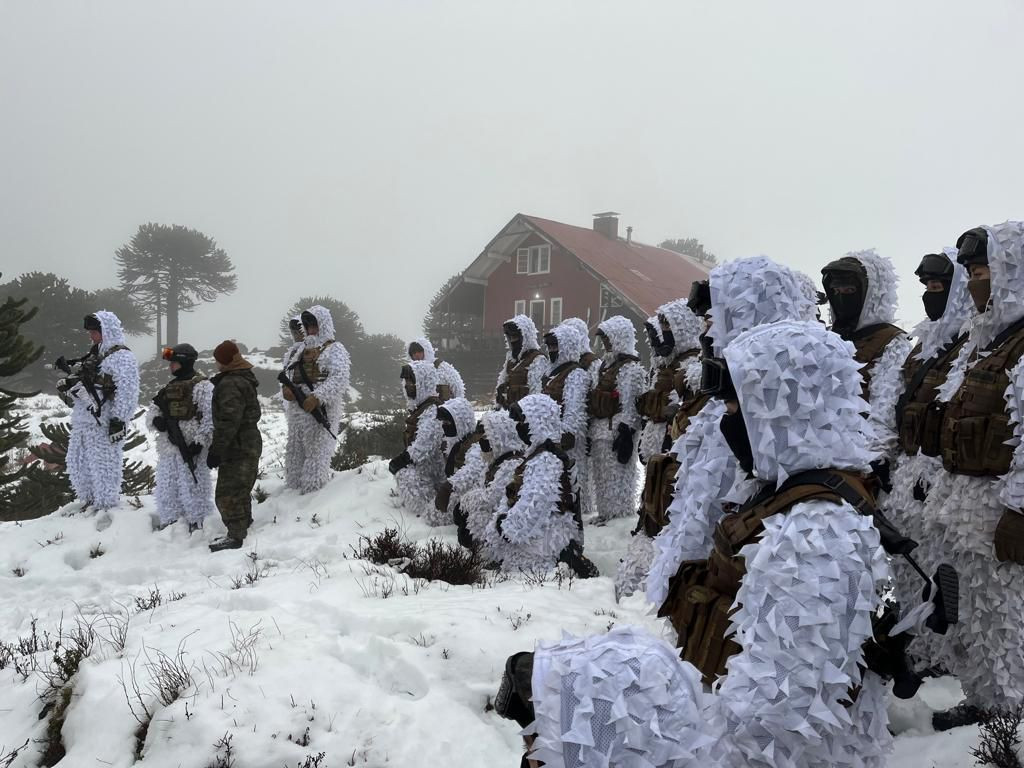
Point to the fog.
(368, 150)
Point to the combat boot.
(225, 542)
(962, 714)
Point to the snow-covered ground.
(307, 655)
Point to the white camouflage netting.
(480, 505)
(447, 374)
(417, 483)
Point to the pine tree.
(16, 352)
(439, 321)
(692, 247)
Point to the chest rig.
(567, 501)
(668, 378)
(412, 421)
(456, 458)
(553, 385)
(178, 394)
(870, 341)
(687, 410)
(306, 370)
(920, 427)
(702, 593)
(975, 424)
(516, 385)
(492, 470)
(603, 401)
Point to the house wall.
(567, 280)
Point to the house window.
(537, 312)
(555, 315)
(520, 307)
(535, 260)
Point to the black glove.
(400, 462)
(498, 522)
(623, 444)
(1009, 538)
(212, 460)
(568, 441)
(880, 469)
(159, 423)
(920, 492)
(195, 449)
(116, 430)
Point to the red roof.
(646, 275)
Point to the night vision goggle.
(699, 300)
(715, 379)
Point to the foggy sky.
(369, 150)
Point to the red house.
(550, 271)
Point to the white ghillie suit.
(480, 505)
(991, 627)
(530, 533)
(801, 614)
(424, 444)
(591, 363)
(614, 421)
(178, 494)
(95, 464)
(328, 367)
(745, 293)
(521, 373)
(886, 381)
(464, 463)
(568, 384)
(914, 474)
(449, 380)
(292, 413)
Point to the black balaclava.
(605, 344)
(972, 248)
(699, 301)
(846, 307)
(667, 345)
(295, 328)
(447, 422)
(935, 266)
(734, 430)
(514, 334)
(522, 426)
(409, 381)
(185, 355)
(551, 341)
(652, 337)
(92, 323)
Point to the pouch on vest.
(444, 392)
(602, 405)
(976, 445)
(911, 427)
(659, 487)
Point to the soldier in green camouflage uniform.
(237, 444)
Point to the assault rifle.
(174, 434)
(84, 376)
(319, 413)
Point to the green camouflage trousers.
(235, 479)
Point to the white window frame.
(522, 261)
(543, 310)
(551, 312)
(520, 307)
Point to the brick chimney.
(607, 224)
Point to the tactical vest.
(920, 427)
(870, 342)
(309, 364)
(104, 381)
(652, 403)
(659, 487)
(553, 385)
(567, 501)
(413, 419)
(516, 385)
(702, 593)
(457, 455)
(587, 359)
(603, 401)
(492, 470)
(444, 391)
(976, 426)
(687, 410)
(180, 404)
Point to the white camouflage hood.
(568, 345)
(933, 335)
(111, 328)
(749, 292)
(501, 433)
(544, 417)
(621, 335)
(529, 331)
(685, 325)
(1006, 261)
(325, 323)
(462, 414)
(799, 390)
(428, 349)
(880, 298)
(426, 382)
(580, 326)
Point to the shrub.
(1000, 738)
(366, 435)
(434, 560)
